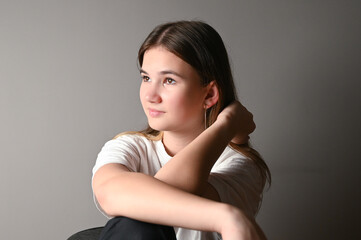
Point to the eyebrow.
(164, 72)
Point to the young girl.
(190, 175)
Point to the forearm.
(145, 198)
(189, 169)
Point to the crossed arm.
(179, 194)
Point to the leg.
(123, 228)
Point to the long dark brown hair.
(198, 44)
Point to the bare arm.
(149, 199)
(189, 169)
(145, 198)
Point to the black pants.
(123, 228)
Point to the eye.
(145, 78)
(170, 81)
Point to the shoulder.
(237, 180)
(132, 143)
(126, 149)
(231, 155)
(233, 161)
(131, 137)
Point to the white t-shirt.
(235, 177)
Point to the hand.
(239, 121)
(239, 227)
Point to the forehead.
(160, 59)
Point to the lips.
(154, 112)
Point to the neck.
(176, 141)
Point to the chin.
(159, 126)
(155, 126)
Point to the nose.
(152, 93)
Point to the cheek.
(142, 95)
(179, 96)
(185, 105)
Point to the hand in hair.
(239, 121)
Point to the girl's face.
(171, 93)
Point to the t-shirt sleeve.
(238, 182)
(121, 150)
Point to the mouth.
(154, 112)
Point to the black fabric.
(122, 228)
(89, 234)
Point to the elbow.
(193, 186)
(104, 199)
(198, 189)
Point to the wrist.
(229, 130)
(223, 127)
(233, 222)
(227, 216)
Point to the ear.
(212, 95)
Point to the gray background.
(69, 82)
